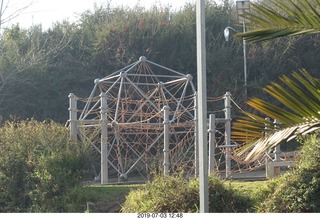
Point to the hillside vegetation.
(39, 68)
(43, 170)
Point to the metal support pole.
(227, 133)
(196, 140)
(267, 124)
(73, 115)
(267, 128)
(243, 6)
(277, 152)
(104, 139)
(245, 63)
(166, 140)
(212, 142)
(202, 106)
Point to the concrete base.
(273, 167)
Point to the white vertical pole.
(267, 128)
(166, 140)
(227, 134)
(212, 142)
(104, 139)
(202, 106)
(245, 62)
(73, 115)
(277, 150)
(196, 138)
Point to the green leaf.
(298, 112)
(273, 19)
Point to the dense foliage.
(39, 68)
(40, 168)
(294, 192)
(299, 190)
(174, 194)
(39, 165)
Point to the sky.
(46, 12)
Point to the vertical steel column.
(166, 140)
(73, 115)
(242, 7)
(196, 138)
(202, 106)
(104, 139)
(277, 151)
(227, 133)
(269, 173)
(245, 63)
(212, 142)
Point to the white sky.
(47, 12)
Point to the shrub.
(299, 190)
(174, 194)
(39, 164)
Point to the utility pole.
(202, 107)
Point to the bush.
(299, 190)
(39, 164)
(174, 194)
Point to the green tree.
(27, 87)
(38, 69)
(39, 165)
(297, 191)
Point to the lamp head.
(226, 33)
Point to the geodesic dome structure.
(135, 97)
(141, 120)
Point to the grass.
(248, 186)
(256, 190)
(101, 198)
(109, 198)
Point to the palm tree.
(298, 113)
(299, 97)
(277, 18)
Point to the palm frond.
(299, 114)
(278, 18)
(262, 145)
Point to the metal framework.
(134, 100)
(141, 120)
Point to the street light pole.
(226, 36)
(243, 6)
(202, 107)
